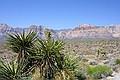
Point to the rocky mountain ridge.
(83, 31)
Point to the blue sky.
(59, 14)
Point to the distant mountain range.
(83, 31)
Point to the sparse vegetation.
(50, 59)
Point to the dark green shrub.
(98, 71)
(117, 61)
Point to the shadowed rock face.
(83, 31)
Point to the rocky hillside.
(87, 31)
(4, 28)
(83, 31)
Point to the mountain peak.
(84, 25)
(33, 26)
(3, 25)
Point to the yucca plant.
(12, 70)
(20, 43)
(47, 54)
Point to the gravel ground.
(115, 76)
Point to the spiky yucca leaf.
(12, 70)
(20, 43)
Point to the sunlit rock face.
(114, 30)
(89, 31)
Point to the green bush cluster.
(99, 71)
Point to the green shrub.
(98, 71)
(80, 75)
(81, 71)
(117, 61)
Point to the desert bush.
(72, 69)
(79, 75)
(99, 71)
(81, 71)
(117, 65)
(117, 61)
(68, 67)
